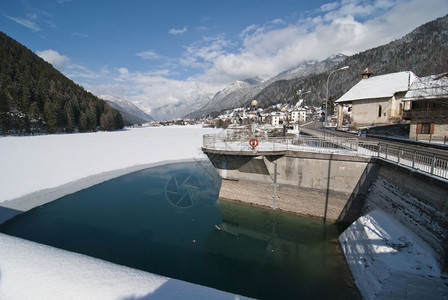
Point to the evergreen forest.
(36, 98)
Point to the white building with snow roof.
(376, 100)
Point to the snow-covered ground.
(33, 271)
(34, 164)
(388, 261)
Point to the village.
(400, 105)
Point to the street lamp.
(326, 99)
(254, 104)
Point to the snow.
(36, 164)
(33, 271)
(383, 86)
(430, 87)
(388, 260)
(33, 163)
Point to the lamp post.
(254, 104)
(326, 99)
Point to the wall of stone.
(440, 133)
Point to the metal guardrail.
(311, 144)
(427, 162)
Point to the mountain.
(422, 51)
(311, 67)
(174, 111)
(130, 112)
(241, 93)
(35, 97)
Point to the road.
(437, 149)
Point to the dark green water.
(167, 220)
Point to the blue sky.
(160, 52)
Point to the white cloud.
(77, 71)
(78, 34)
(329, 6)
(35, 19)
(26, 22)
(178, 31)
(203, 53)
(149, 54)
(58, 61)
(347, 26)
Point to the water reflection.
(167, 220)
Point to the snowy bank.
(397, 248)
(388, 261)
(30, 270)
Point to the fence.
(427, 162)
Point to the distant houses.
(396, 98)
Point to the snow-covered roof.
(430, 87)
(382, 86)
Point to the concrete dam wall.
(313, 184)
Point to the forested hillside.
(35, 97)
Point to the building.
(375, 100)
(426, 107)
(277, 118)
(298, 115)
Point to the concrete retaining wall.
(312, 184)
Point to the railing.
(424, 113)
(427, 162)
(310, 144)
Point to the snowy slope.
(396, 250)
(178, 110)
(388, 261)
(34, 271)
(129, 111)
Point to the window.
(425, 128)
(380, 110)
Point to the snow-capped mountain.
(143, 107)
(311, 67)
(130, 112)
(177, 110)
